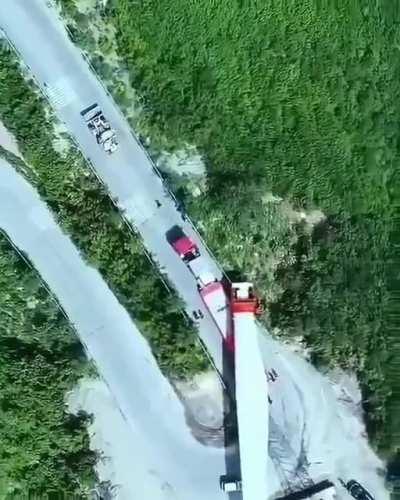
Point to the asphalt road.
(64, 76)
(184, 469)
(121, 354)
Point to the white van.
(230, 484)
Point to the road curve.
(123, 357)
(62, 73)
(64, 76)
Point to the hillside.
(301, 101)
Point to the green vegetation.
(88, 215)
(300, 99)
(43, 450)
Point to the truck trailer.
(210, 289)
(251, 391)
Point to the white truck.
(100, 128)
(229, 484)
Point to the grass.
(43, 450)
(87, 214)
(301, 99)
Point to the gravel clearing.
(117, 445)
(322, 420)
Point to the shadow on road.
(231, 437)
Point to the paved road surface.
(63, 74)
(122, 356)
(61, 71)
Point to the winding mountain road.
(64, 76)
(186, 470)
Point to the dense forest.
(301, 100)
(43, 450)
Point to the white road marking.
(60, 93)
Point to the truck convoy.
(211, 290)
(235, 319)
(100, 128)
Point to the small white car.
(230, 484)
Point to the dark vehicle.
(201, 315)
(357, 491)
(195, 314)
(325, 485)
(173, 234)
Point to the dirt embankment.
(8, 141)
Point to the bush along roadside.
(280, 109)
(86, 212)
(43, 450)
(268, 116)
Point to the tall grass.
(302, 99)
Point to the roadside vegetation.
(86, 213)
(43, 450)
(89, 27)
(301, 101)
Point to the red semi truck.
(210, 289)
(244, 300)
